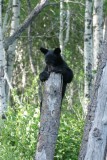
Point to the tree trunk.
(95, 131)
(30, 41)
(67, 25)
(97, 31)
(97, 142)
(63, 40)
(87, 54)
(50, 118)
(2, 68)
(5, 21)
(11, 49)
(61, 35)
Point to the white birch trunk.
(5, 20)
(11, 49)
(67, 25)
(50, 118)
(30, 42)
(63, 41)
(87, 54)
(61, 36)
(97, 142)
(93, 103)
(2, 68)
(97, 31)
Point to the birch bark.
(93, 104)
(50, 117)
(30, 42)
(11, 49)
(97, 142)
(6, 17)
(97, 31)
(87, 54)
(67, 25)
(61, 36)
(2, 68)
(63, 40)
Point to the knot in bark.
(97, 133)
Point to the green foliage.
(20, 129)
(105, 8)
(69, 138)
(18, 137)
(18, 133)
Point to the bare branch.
(68, 1)
(26, 23)
(76, 2)
(8, 81)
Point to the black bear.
(55, 63)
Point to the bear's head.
(52, 57)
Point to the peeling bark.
(50, 118)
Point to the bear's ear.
(43, 50)
(57, 51)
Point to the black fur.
(55, 63)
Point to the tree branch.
(75, 2)
(67, 1)
(26, 23)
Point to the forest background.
(58, 24)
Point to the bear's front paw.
(44, 76)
